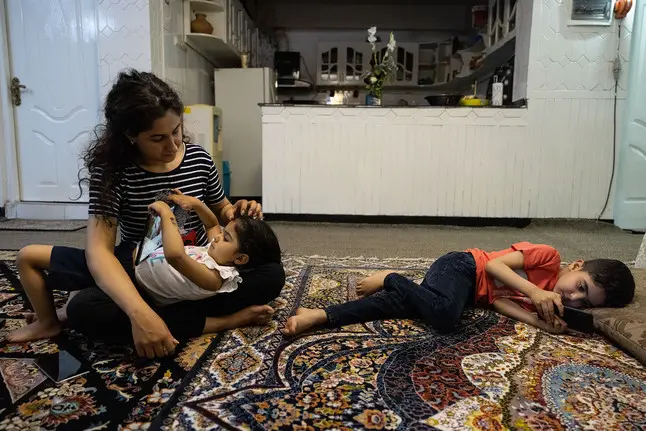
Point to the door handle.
(16, 87)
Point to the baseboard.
(357, 219)
(48, 211)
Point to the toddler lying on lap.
(524, 282)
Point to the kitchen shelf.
(206, 6)
(496, 55)
(214, 48)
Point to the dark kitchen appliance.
(505, 74)
(288, 66)
(443, 99)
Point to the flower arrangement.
(383, 66)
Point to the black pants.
(93, 313)
(448, 288)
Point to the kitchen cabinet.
(407, 60)
(341, 63)
(233, 31)
(345, 63)
(502, 21)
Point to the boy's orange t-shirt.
(541, 267)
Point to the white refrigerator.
(238, 93)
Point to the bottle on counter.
(497, 92)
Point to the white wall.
(141, 34)
(571, 91)
(188, 72)
(124, 39)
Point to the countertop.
(517, 105)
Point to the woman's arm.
(151, 336)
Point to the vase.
(372, 100)
(201, 25)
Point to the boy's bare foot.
(372, 284)
(61, 313)
(304, 319)
(34, 331)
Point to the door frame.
(10, 187)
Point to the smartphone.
(61, 366)
(577, 320)
(152, 238)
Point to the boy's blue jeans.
(448, 288)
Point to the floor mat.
(492, 373)
(42, 225)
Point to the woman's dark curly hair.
(133, 104)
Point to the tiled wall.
(124, 39)
(183, 68)
(574, 61)
(125, 29)
(571, 92)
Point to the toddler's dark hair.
(258, 241)
(614, 278)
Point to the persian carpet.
(491, 373)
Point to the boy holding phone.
(525, 282)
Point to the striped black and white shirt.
(196, 176)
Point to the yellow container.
(474, 102)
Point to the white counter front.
(453, 162)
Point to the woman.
(137, 157)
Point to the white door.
(630, 200)
(53, 52)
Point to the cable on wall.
(616, 71)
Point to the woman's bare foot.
(304, 319)
(61, 313)
(372, 284)
(34, 331)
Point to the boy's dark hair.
(614, 278)
(258, 241)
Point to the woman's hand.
(244, 207)
(151, 335)
(545, 301)
(188, 203)
(161, 208)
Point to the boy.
(524, 282)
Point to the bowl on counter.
(444, 99)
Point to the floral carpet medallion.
(492, 373)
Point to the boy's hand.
(558, 327)
(160, 207)
(544, 301)
(187, 203)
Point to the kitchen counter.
(392, 160)
(518, 105)
(429, 161)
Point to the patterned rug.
(490, 374)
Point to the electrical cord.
(616, 70)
